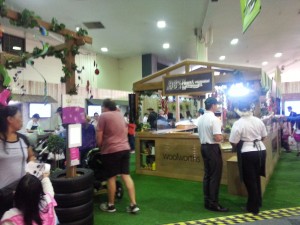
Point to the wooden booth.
(175, 152)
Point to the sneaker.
(106, 208)
(133, 209)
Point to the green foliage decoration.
(57, 27)
(3, 8)
(67, 72)
(73, 91)
(82, 32)
(56, 144)
(26, 19)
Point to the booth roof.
(32, 98)
(100, 101)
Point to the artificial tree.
(73, 40)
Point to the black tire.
(68, 215)
(119, 190)
(74, 199)
(86, 221)
(84, 180)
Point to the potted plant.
(56, 146)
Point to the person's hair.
(125, 114)
(289, 107)
(109, 104)
(5, 112)
(36, 116)
(208, 106)
(96, 114)
(29, 199)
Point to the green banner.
(250, 9)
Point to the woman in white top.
(247, 135)
(33, 124)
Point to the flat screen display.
(44, 110)
(74, 135)
(92, 109)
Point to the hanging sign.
(73, 109)
(188, 83)
(249, 9)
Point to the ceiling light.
(278, 54)
(104, 49)
(166, 45)
(217, 73)
(264, 63)
(234, 41)
(161, 24)
(222, 57)
(17, 48)
(77, 29)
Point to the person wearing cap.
(246, 136)
(210, 135)
(33, 124)
(152, 118)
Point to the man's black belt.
(209, 144)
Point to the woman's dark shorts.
(116, 163)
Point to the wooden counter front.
(177, 155)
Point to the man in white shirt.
(210, 135)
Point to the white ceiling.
(130, 28)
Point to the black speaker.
(132, 108)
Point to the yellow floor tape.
(243, 218)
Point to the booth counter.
(177, 154)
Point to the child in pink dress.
(34, 203)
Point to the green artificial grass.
(165, 200)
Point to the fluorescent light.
(17, 48)
(166, 45)
(161, 24)
(216, 73)
(237, 90)
(222, 57)
(264, 63)
(234, 41)
(104, 49)
(278, 54)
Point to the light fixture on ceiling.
(104, 49)
(161, 24)
(234, 41)
(17, 48)
(217, 73)
(278, 54)
(264, 63)
(166, 45)
(77, 29)
(222, 57)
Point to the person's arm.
(28, 127)
(7, 223)
(218, 137)
(31, 156)
(47, 185)
(99, 137)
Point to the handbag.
(7, 196)
(297, 137)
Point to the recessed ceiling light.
(264, 63)
(222, 57)
(77, 29)
(104, 49)
(17, 48)
(278, 54)
(234, 41)
(166, 45)
(161, 24)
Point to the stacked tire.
(74, 197)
